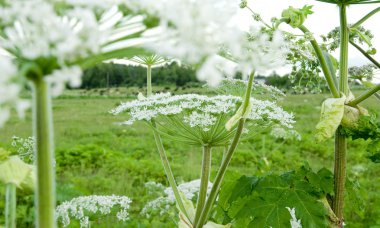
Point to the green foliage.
(262, 201)
(296, 17)
(116, 75)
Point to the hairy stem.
(366, 17)
(339, 175)
(340, 140)
(223, 167)
(10, 205)
(322, 61)
(43, 132)
(205, 176)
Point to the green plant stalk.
(161, 151)
(368, 56)
(365, 95)
(322, 61)
(168, 171)
(340, 140)
(10, 205)
(205, 176)
(223, 167)
(149, 80)
(340, 162)
(366, 17)
(43, 132)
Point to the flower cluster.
(164, 203)
(197, 31)
(9, 91)
(25, 148)
(79, 207)
(200, 111)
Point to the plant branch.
(368, 56)
(366, 17)
(10, 205)
(205, 175)
(223, 167)
(365, 95)
(168, 171)
(322, 61)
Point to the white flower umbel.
(166, 202)
(198, 119)
(294, 222)
(9, 91)
(81, 207)
(56, 38)
(25, 148)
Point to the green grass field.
(96, 156)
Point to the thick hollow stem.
(322, 61)
(10, 205)
(340, 140)
(339, 175)
(168, 171)
(43, 132)
(366, 17)
(223, 167)
(205, 176)
(149, 80)
(344, 40)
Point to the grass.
(96, 156)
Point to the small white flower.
(79, 207)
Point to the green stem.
(343, 63)
(205, 175)
(10, 205)
(168, 171)
(339, 175)
(365, 95)
(366, 17)
(322, 61)
(368, 56)
(43, 131)
(149, 80)
(223, 167)
(340, 140)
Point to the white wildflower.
(79, 208)
(25, 148)
(294, 222)
(9, 91)
(281, 133)
(58, 79)
(202, 120)
(164, 203)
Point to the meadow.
(94, 155)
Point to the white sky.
(323, 20)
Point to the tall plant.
(335, 110)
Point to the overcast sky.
(324, 19)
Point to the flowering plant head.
(198, 119)
(82, 207)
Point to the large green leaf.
(262, 202)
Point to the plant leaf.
(331, 117)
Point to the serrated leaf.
(267, 205)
